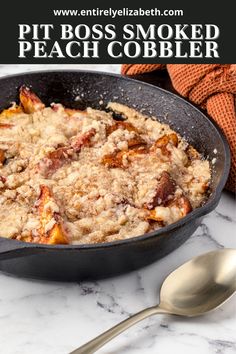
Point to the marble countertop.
(54, 318)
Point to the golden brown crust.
(164, 191)
(57, 234)
(162, 143)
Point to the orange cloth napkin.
(212, 87)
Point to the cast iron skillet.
(81, 89)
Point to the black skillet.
(79, 89)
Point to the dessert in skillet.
(74, 177)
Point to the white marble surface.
(45, 318)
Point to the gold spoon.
(198, 286)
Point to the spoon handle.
(105, 337)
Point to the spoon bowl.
(198, 286)
(201, 284)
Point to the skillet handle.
(13, 249)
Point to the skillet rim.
(210, 204)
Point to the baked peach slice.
(115, 160)
(11, 111)
(166, 139)
(6, 126)
(2, 179)
(182, 204)
(137, 140)
(56, 234)
(2, 156)
(82, 140)
(137, 150)
(192, 153)
(164, 191)
(152, 216)
(72, 111)
(121, 125)
(30, 101)
(57, 158)
(162, 143)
